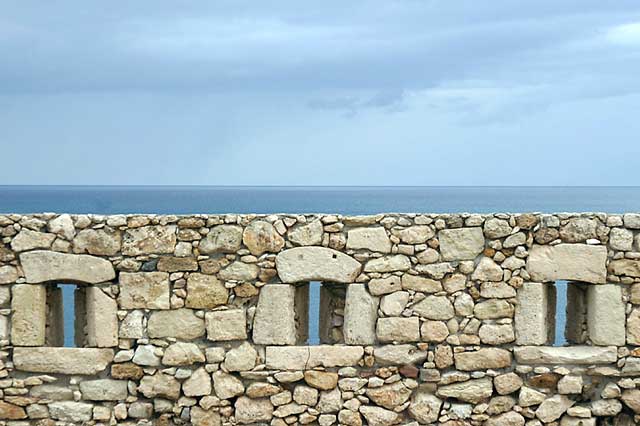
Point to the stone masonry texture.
(426, 319)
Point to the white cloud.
(626, 34)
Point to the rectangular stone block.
(306, 357)
(360, 316)
(226, 325)
(104, 390)
(397, 329)
(566, 354)
(535, 314)
(80, 321)
(144, 290)
(84, 361)
(275, 318)
(606, 315)
(576, 313)
(54, 335)
(102, 319)
(28, 319)
(574, 262)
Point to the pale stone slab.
(178, 323)
(566, 355)
(226, 325)
(104, 390)
(84, 361)
(535, 314)
(398, 354)
(482, 359)
(360, 314)
(28, 322)
(374, 239)
(461, 244)
(398, 262)
(29, 240)
(149, 239)
(222, 238)
(606, 315)
(205, 292)
(306, 357)
(149, 290)
(41, 266)
(275, 319)
(102, 319)
(303, 264)
(473, 391)
(579, 262)
(71, 411)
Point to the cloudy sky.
(416, 92)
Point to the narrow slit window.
(561, 314)
(325, 313)
(66, 316)
(314, 313)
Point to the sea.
(347, 200)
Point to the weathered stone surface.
(205, 292)
(182, 353)
(131, 326)
(493, 309)
(507, 383)
(605, 407)
(496, 334)
(425, 407)
(252, 411)
(552, 408)
(8, 274)
(102, 319)
(274, 322)
(625, 267)
(570, 385)
(148, 290)
(175, 264)
(29, 315)
(126, 370)
(160, 385)
(11, 411)
(483, 359)
(241, 358)
(631, 398)
(565, 355)
(222, 239)
(374, 239)
(422, 284)
(510, 418)
(461, 243)
(578, 262)
(496, 228)
(380, 286)
(239, 271)
(621, 239)
(578, 230)
(417, 234)
(389, 396)
(401, 330)
(473, 391)
(435, 308)
(633, 327)
(377, 416)
(71, 411)
(361, 311)
(309, 234)
(104, 390)
(323, 380)
(393, 304)
(29, 240)
(101, 242)
(487, 270)
(178, 323)
(535, 314)
(41, 266)
(198, 384)
(398, 262)
(149, 239)
(528, 397)
(303, 264)
(226, 325)
(227, 386)
(200, 417)
(83, 361)
(398, 354)
(606, 315)
(307, 357)
(261, 237)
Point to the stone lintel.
(42, 266)
(84, 361)
(566, 354)
(306, 357)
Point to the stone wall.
(424, 319)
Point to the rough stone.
(71, 411)
(483, 359)
(148, 290)
(578, 262)
(226, 325)
(374, 239)
(625, 267)
(507, 383)
(309, 234)
(241, 358)
(175, 264)
(29, 315)
(160, 385)
(104, 390)
(381, 286)
(621, 239)
(473, 391)
(377, 416)
(425, 407)
(29, 240)
(304, 264)
(398, 262)
(222, 239)
(200, 417)
(205, 292)
(82, 361)
(178, 323)
(535, 314)
(506, 419)
(43, 266)
(227, 386)
(274, 322)
(253, 411)
(606, 315)
(149, 239)
(102, 319)
(10, 411)
(389, 396)
(418, 234)
(496, 334)
(361, 310)
(401, 330)
(131, 326)
(393, 304)
(261, 237)
(553, 408)
(461, 244)
(8, 274)
(422, 284)
(100, 242)
(435, 308)
(398, 354)
(565, 355)
(493, 309)
(239, 271)
(198, 384)
(578, 230)
(631, 398)
(323, 380)
(182, 353)
(487, 270)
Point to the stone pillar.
(80, 317)
(102, 319)
(332, 297)
(360, 316)
(606, 315)
(275, 318)
(55, 317)
(535, 314)
(576, 313)
(28, 319)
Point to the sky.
(413, 92)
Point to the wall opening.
(325, 313)
(66, 316)
(561, 313)
(314, 313)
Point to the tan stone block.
(226, 325)
(28, 321)
(102, 319)
(148, 290)
(85, 361)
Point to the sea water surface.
(340, 200)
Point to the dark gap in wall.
(314, 313)
(561, 313)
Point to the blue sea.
(342, 200)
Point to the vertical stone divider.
(606, 315)
(276, 320)
(301, 309)
(29, 315)
(101, 319)
(80, 317)
(54, 335)
(575, 327)
(535, 314)
(360, 316)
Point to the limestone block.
(397, 329)
(71, 411)
(102, 319)
(633, 327)
(182, 353)
(10, 411)
(205, 292)
(149, 239)
(425, 407)
(226, 325)
(178, 323)
(148, 290)
(84, 361)
(160, 385)
(28, 322)
(275, 318)
(566, 355)
(418, 234)
(8, 274)
(625, 267)
(306, 357)
(308, 234)
(226, 385)
(398, 262)
(261, 237)
(473, 391)
(435, 308)
(398, 354)
(535, 314)
(222, 239)
(131, 326)
(606, 315)
(360, 314)
(303, 264)
(29, 240)
(380, 286)
(102, 242)
(41, 266)
(422, 284)
(104, 390)
(198, 384)
(241, 358)
(4, 327)
(461, 243)
(374, 239)
(482, 359)
(487, 270)
(253, 411)
(552, 408)
(378, 415)
(579, 262)
(393, 304)
(621, 239)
